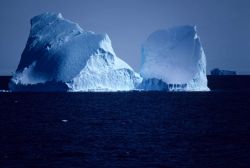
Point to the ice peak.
(46, 17)
(106, 43)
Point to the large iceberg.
(61, 56)
(174, 60)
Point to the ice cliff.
(61, 56)
(175, 59)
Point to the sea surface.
(125, 129)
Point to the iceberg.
(174, 60)
(61, 56)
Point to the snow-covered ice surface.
(175, 59)
(61, 56)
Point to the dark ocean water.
(134, 129)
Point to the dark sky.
(223, 25)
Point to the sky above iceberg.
(224, 26)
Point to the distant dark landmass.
(218, 71)
(215, 82)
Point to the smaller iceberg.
(174, 60)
